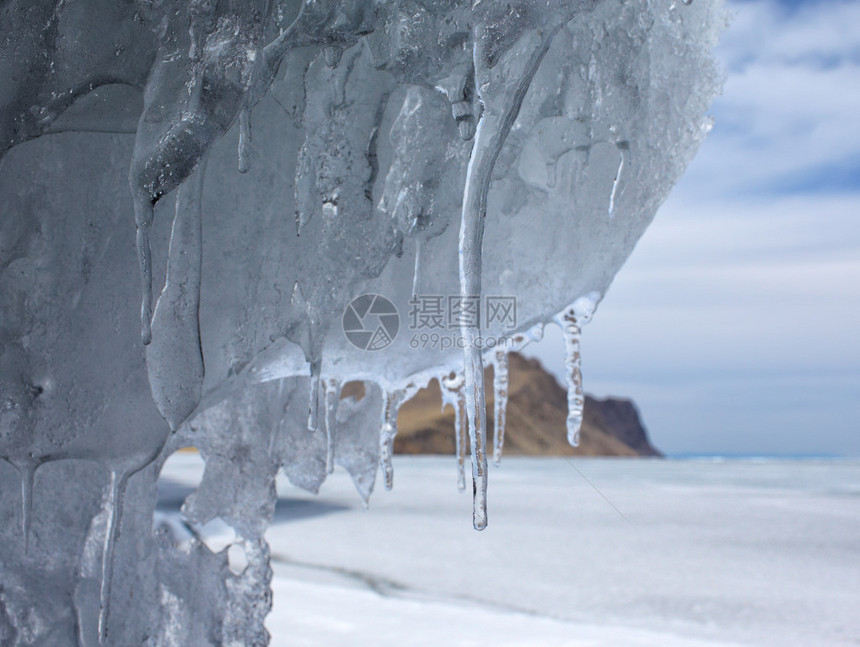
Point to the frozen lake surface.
(582, 552)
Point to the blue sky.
(734, 325)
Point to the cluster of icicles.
(460, 395)
(456, 392)
(177, 158)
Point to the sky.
(734, 324)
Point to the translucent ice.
(432, 153)
(392, 402)
(332, 400)
(500, 399)
(174, 359)
(454, 394)
(571, 321)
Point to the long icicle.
(116, 494)
(492, 130)
(470, 247)
(500, 399)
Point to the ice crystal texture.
(222, 179)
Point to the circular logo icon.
(371, 322)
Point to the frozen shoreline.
(731, 552)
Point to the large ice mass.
(222, 179)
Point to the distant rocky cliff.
(537, 409)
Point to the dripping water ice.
(500, 399)
(454, 394)
(571, 321)
(392, 402)
(387, 433)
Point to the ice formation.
(309, 152)
(500, 399)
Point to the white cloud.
(778, 229)
(791, 98)
(774, 33)
(739, 294)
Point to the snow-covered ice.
(584, 552)
(337, 616)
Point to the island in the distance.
(535, 426)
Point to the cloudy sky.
(735, 323)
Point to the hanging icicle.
(500, 398)
(454, 393)
(571, 321)
(392, 402)
(387, 433)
